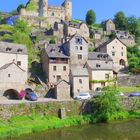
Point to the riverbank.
(21, 125)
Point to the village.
(71, 62)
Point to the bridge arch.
(11, 94)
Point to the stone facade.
(118, 52)
(100, 69)
(71, 29)
(55, 64)
(109, 26)
(77, 49)
(79, 79)
(12, 76)
(10, 52)
(125, 37)
(62, 90)
(50, 14)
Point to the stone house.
(118, 52)
(77, 49)
(79, 79)
(71, 28)
(12, 76)
(125, 37)
(11, 52)
(50, 14)
(109, 26)
(55, 63)
(62, 90)
(100, 69)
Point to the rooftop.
(99, 56)
(55, 51)
(78, 70)
(6, 47)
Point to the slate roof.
(101, 65)
(13, 48)
(55, 51)
(99, 56)
(78, 70)
(9, 64)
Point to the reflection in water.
(115, 131)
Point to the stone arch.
(11, 94)
(122, 62)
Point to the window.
(19, 50)
(107, 76)
(53, 14)
(113, 47)
(19, 63)
(64, 68)
(78, 40)
(79, 56)
(9, 75)
(122, 53)
(113, 53)
(122, 48)
(58, 77)
(76, 47)
(80, 81)
(81, 48)
(98, 66)
(54, 68)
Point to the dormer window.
(78, 40)
(8, 49)
(19, 50)
(98, 66)
(52, 50)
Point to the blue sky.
(104, 9)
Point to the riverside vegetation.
(104, 108)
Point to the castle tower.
(43, 8)
(68, 9)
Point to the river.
(129, 130)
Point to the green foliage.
(52, 41)
(32, 6)
(133, 59)
(128, 89)
(20, 125)
(106, 105)
(120, 21)
(20, 7)
(103, 81)
(90, 17)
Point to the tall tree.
(90, 17)
(132, 24)
(120, 21)
(20, 7)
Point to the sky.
(104, 9)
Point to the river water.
(129, 130)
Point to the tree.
(120, 21)
(132, 24)
(20, 7)
(90, 17)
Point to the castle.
(40, 9)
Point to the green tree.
(132, 24)
(20, 7)
(120, 21)
(106, 105)
(90, 17)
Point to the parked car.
(22, 94)
(30, 95)
(135, 94)
(83, 96)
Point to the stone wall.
(49, 108)
(128, 80)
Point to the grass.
(20, 125)
(129, 89)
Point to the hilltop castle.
(40, 8)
